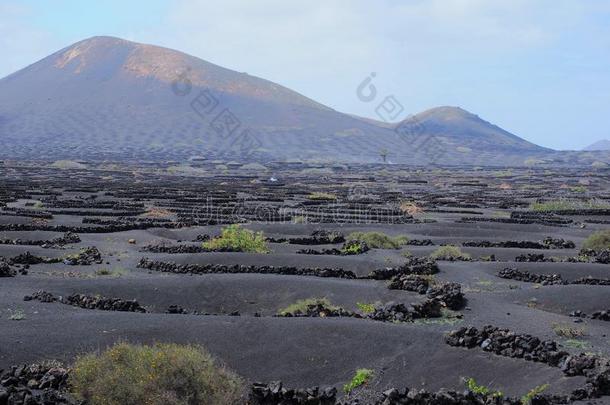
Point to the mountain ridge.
(109, 98)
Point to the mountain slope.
(603, 144)
(107, 98)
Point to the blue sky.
(537, 68)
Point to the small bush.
(317, 195)
(449, 253)
(17, 315)
(378, 240)
(598, 240)
(238, 239)
(354, 247)
(156, 375)
(410, 208)
(568, 331)
(406, 253)
(577, 344)
(117, 272)
(366, 308)
(527, 398)
(481, 389)
(301, 306)
(361, 377)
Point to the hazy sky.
(538, 68)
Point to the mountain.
(108, 98)
(603, 144)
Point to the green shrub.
(236, 238)
(317, 195)
(577, 344)
(353, 247)
(17, 315)
(449, 252)
(481, 389)
(116, 272)
(378, 240)
(155, 375)
(568, 331)
(365, 308)
(361, 377)
(527, 398)
(598, 240)
(301, 306)
(564, 204)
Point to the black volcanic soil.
(233, 314)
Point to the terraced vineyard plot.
(399, 275)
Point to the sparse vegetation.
(406, 253)
(527, 398)
(577, 344)
(365, 308)
(301, 306)
(565, 204)
(353, 247)
(411, 208)
(449, 252)
(236, 238)
(598, 240)
(362, 376)
(568, 331)
(318, 195)
(448, 317)
(299, 219)
(17, 315)
(157, 375)
(481, 389)
(378, 240)
(156, 212)
(116, 272)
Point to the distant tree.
(384, 154)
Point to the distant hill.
(604, 144)
(108, 98)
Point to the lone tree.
(384, 154)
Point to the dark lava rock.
(85, 257)
(503, 342)
(5, 269)
(398, 312)
(169, 267)
(414, 265)
(547, 243)
(420, 242)
(522, 275)
(320, 310)
(449, 294)
(275, 393)
(352, 247)
(202, 238)
(35, 385)
(591, 281)
(102, 303)
(41, 296)
(410, 282)
(173, 249)
(319, 237)
(176, 309)
(559, 243)
(530, 257)
(603, 315)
